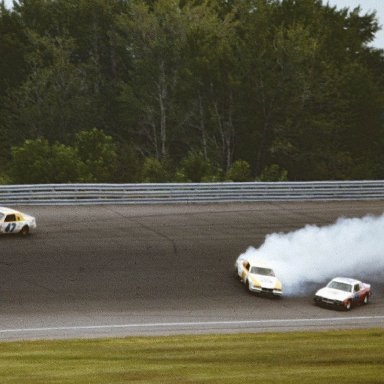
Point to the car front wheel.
(366, 299)
(348, 305)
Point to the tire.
(24, 231)
(366, 299)
(348, 305)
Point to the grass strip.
(299, 357)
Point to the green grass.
(321, 357)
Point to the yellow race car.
(258, 276)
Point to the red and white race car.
(344, 293)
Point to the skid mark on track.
(150, 229)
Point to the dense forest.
(189, 90)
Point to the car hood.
(333, 294)
(265, 281)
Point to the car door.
(10, 224)
(357, 293)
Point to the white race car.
(343, 292)
(12, 221)
(258, 276)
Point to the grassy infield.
(321, 357)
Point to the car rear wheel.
(366, 299)
(25, 230)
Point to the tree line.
(189, 90)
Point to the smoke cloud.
(351, 247)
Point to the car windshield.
(340, 286)
(262, 271)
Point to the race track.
(105, 271)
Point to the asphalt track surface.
(107, 271)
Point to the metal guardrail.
(78, 194)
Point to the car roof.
(346, 280)
(6, 211)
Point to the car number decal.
(10, 227)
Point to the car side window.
(357, 287)
(246, 266)
(10, 218)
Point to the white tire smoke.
(351, 247)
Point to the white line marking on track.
(190, 324)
